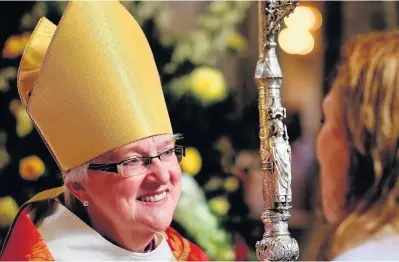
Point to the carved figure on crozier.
(281, 158)
(275, 110)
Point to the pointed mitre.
(91, 84)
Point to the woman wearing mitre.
(92, 90)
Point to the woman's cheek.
(321, 139)
(175, 174)
(125, 189)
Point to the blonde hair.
(368, 84)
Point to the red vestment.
(25, 243)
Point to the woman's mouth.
(153, 198)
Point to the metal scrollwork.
(275, 12)
(281, 248)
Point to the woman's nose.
(158, 171)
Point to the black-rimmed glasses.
(139, 164)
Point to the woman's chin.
(160, 226)
(157, 223)
(331, 213)
(156, 217)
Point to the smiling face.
(142, 203)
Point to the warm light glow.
(318, 18)
(307, 44)
(296, 38)
(294, 41)
(286, 41)
(303, 17)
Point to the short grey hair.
(75, 175)
(79, 175)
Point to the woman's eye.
(132, 162)
(168, 152)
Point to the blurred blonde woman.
(358, 151)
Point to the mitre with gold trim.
(90, 84)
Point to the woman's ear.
(78, 191)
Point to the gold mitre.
(91, 84)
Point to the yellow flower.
(213, 184)
(31, 167)
(8, 211)
(219, 205)
(208, 85)
(15, 45)
(24, 123)
(4, 157)
(15, 105)
(237, 42)
(7, 74)
(231, 184)
(192, 162)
